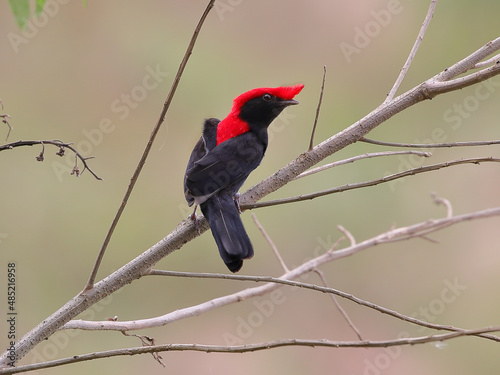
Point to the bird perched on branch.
(221, 161)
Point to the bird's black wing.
(206, 143)
(225, 167)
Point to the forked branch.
(252, 347)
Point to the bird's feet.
(195, 219)
(237, 202)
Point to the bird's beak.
(286, 103)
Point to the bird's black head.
(259, 112)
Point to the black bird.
(221, 161)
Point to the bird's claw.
(195, 220)
(237, 202)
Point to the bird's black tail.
(227, 229)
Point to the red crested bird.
(221, 161)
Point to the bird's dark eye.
(267, 97)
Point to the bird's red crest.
(232, 125)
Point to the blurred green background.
(72, 71)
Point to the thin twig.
(361, 157)
(249, 348)
(358, 185)
(348, 234)
(61, 145)
(430, 145)
(75, 170)
(337, 243)
(6, 122)
(270, 242)
(142, 161)
(40, 156)
(444, 202)
(339, 307)
(148, 342)
(413, 52)
(494, 60)
(311, 142)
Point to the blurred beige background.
(78, 68)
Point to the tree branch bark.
(251, 347)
